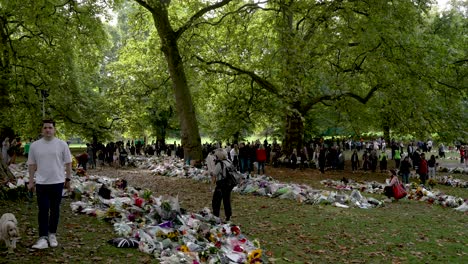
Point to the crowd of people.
(367, 156)
(11, 148)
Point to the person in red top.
(423, 169)
(462, 154)
(82, 159)
(261, 158)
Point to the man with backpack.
(223, 177)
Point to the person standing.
(322, 158)
(397, 158)
(441, 151)
(222, 192)
(354, 161)
(5, 148)
(429, 145)
(383, 161)
(91, 157)
(26, 148)
(293, 159)
(49, 162)
(462, 154)
(405, 169)
(243, 158)
(235, 156)
(466, 155)
(423, 168)
(432, 163)
(261, 159)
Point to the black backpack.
(229, 179)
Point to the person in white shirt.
(48, 161)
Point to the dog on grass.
(9, 230)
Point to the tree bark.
(294, 133)
(386, 133)
(190, 136)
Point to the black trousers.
(222, 193)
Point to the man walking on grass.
(49, 159)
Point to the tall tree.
(310, 53)
(50, 63)
(169, 37)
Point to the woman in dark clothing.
(405, 168)
(354, 161)
(222, 192)
(322, 159)
(293, 159)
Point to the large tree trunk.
(386, 134)
(294, 133)
(190, 135)
(5, 69)
(236, 137)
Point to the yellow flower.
(212, 238)
(255, 254)
(184, 248)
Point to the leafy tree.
(310, 53)
(169, 45)
(50, 56)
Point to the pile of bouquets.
(266, 186)
(259, 185)
(450, 181)
(456, 170)
(160, 226)
(421, 193)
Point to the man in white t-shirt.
(48, 161)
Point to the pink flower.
(238, 248)
(139, 201)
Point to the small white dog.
(9, 231)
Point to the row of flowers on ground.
(158, 226)
(266, 186)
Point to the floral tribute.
(260, 185)
(415, 191)
(161, 227)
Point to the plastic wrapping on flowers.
(162, 230)
(260, 185)
(415, 191)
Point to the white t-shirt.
(50, 158)
(210, 163)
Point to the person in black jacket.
(222, 191)
(405, 168)
(322, 159)
(354, 161)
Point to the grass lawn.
(289, 232)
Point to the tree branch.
(197, 15)
(265, 84)
(322, 99)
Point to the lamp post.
(44, 94)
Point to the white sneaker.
(41, 244)
(53, 240)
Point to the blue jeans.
(405, 177)
(244, 164)
(261, 166)
(49, 197)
